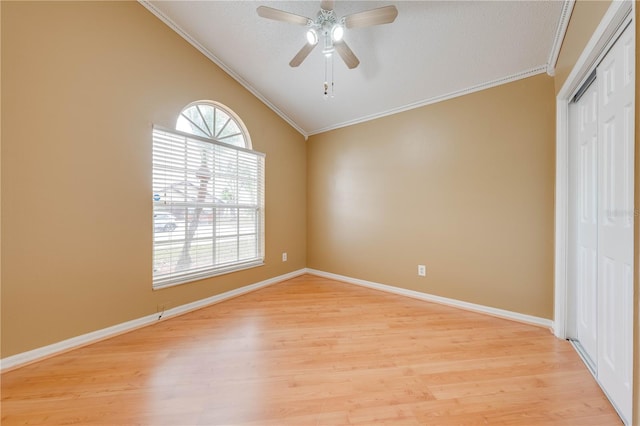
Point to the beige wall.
(464, 186)
(83, 82)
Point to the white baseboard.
(501, 313)
(28, 357)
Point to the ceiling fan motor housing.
(326, 23)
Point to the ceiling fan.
(327, 25)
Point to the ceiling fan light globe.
(312, 37)
(337, 32)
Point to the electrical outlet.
(284, 257)
(422, 270)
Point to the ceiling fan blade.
(326, 4)
(382, 15)
(346, 54)
(281, 15)
(302, 54)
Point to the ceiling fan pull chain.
(328, 77)
(326, 84)
(332, 83)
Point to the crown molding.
(478, 87)
(561, 31)
(175, 27)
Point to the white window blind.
(208, 208)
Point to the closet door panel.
(615, 224)
(586, 138)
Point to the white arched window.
(208, 197)
(214, 121)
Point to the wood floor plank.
(312, 351)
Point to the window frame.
(195, 273)
(217, 105)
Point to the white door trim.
(613, 22)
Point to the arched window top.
(215, 121)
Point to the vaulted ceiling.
(433, 51)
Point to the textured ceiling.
(434, 50)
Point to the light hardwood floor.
(311, 351)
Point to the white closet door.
(586, 210)
(615, 222)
